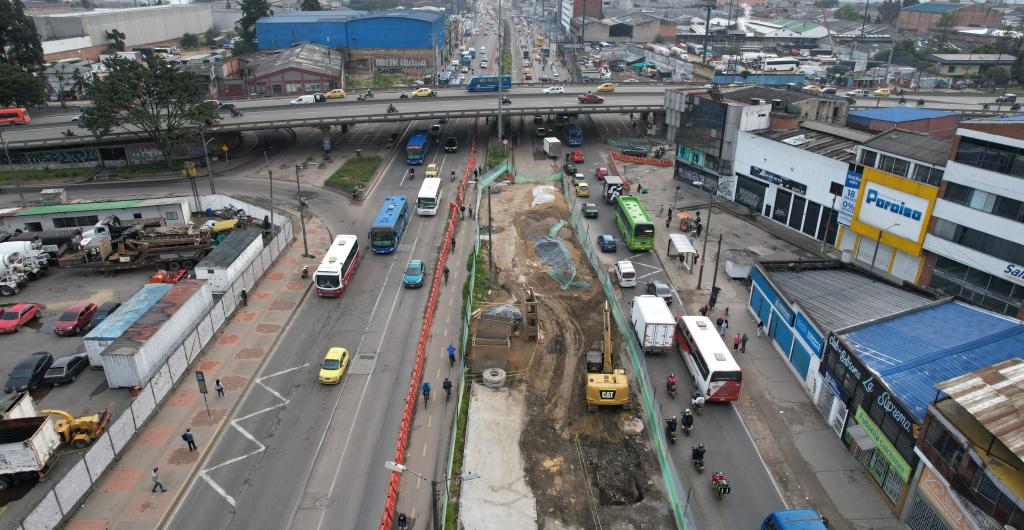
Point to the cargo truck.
(165, 247)
(552, 147)
(653, 323)
(29, 443)
(613, 187)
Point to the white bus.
(429, 197)
(338, 266)
(781, 64)
(715, 373)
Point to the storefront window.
(796, 214)
(782, 200)
(811, 218)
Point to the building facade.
(976, 241)
(937, 123)
(924, 17)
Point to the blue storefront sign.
(805, 331)
(785, 313)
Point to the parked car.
(577, 157)
(660, 289)
(606, 243)
(569, 168)
(634, 151)
(18, 315)
(333, 366)
(554, 90)
(589, 98)
(451, 144)
(66, 369)
(414, 273)
(75, 318)
(102, 312)
(589, 210)
(28, 374)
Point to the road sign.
(201, 379)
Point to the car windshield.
(661, 289)
(55, 371)
(21, 371)
(69, 316)
(331, 364)
(10, 315)
(413, 269)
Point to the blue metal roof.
(914, 352)
(115, 325)
(417, 14)
(1005, 119)
(311, 17)
(935, 7)
(899, 114)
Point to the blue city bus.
(483, 83)
(797, 519)
(573, 135)
(390, 225)
(417, 148)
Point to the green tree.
(20, 88)
(154, 97)
(209, 36)
(904, 53)
(944, 31)
(847, 12)
(310, 5)
(116, 39)
(19, 40)
(827, 3)
(908, 3)
(889, 11)
(190, 41)
(252, 10)
(997, 75)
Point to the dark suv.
(451, 144)
(28, 374)
(635, 151)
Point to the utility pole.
(206, 155)
(707, 35)
(490, 233)
(501, 65)
(302, 217)
(714, 276)
(270, 177)
(707, 232)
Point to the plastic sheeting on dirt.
(507, 312)
(552, 251)
(543, 194)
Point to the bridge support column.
(325, 134)
(658, 123)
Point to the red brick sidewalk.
(123, 498)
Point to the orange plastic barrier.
(639, 159)
(411, 397)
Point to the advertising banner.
(894, 211)
(848, 201)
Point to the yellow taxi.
(582, 189)
(333, 366)
(881, 92)
(606, 87)
(432, 171)
(336, 93)
(814, 89)
(423, 93)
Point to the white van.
(308, 99)
(626, 274)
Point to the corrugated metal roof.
(995, 397)
(900, 114)
(838, 298)
(228, 250)
(1010, 119)
(912, 145)
(115, 325)
(79, 207)
(416, 14)
(160, 312)
(818, 142)
(935, 7)
(914, 352)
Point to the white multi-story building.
(976, 242)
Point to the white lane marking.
(359, 406)
(235, 424)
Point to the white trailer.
(28, 444)
(552, 147)
(653, 323)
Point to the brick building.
(922, 18)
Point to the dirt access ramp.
(586, 470)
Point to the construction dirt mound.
(585, 472)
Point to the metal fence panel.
(73, 486)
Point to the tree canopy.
(847, 12)
(19, 88)
(154, 98)
(310, 5)
(252, 10)
(116, 39)
(189, 41)
(19, 40)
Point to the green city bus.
(634, 223)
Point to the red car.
(589, 98)
(577, 157)
(16, 316)
(75, 318)
(600, 173)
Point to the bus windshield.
(644, 230)
(426, 203)
(328, 281)
(726, 376)
(382, 237)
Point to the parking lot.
(89, 394)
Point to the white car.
(483, 64)
(857, 92)
(483, 49)
(554, 90)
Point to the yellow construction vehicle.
(606, 386)
(79, 432)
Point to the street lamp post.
(707, 231)
(878, 242)
(302, 216)
(206, 155)
(434, 493)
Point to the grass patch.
(355, 172)
(495, 156)
(32, 175)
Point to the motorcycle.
(687, 429)
(69, 132)
(403, 521)
(505, 100)
(673, 436)
(672, 387)
(361, 97)
(697, 403)
(698, 460)
(920, 102)
(719, 484)
(392, 109)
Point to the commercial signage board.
(896, 461)
(893, 211)
(848, 201)
(938, 493)
(806, 331)
(778, 180)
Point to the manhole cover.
(364, 363)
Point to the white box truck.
(653, 323)
(29, 443)
(552, 147)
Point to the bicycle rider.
(447, 386)
(426, 392)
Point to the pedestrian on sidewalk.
(668, 222)
(669, 214)
(703, 310)
(718, 325)
(760, 328)
(446, 275)
(462, 212)
(736, 342)
(743, 343)
(156, 482)
(451, 354)
(476, 173)
(661, 210)
(219, 388)
(699, 229)
(245, 298)
(190, 440)
(471, 212)
(725, 326)
(453, 243)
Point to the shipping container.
(228, 261)
(132, 359)
(653, 323)
(115, 325)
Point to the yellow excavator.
(79, 432)
(606, 386)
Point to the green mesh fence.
(529, 179)
(630, 141)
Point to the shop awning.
(864, 442)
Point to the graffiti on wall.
(144, 153)
(63, 157)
